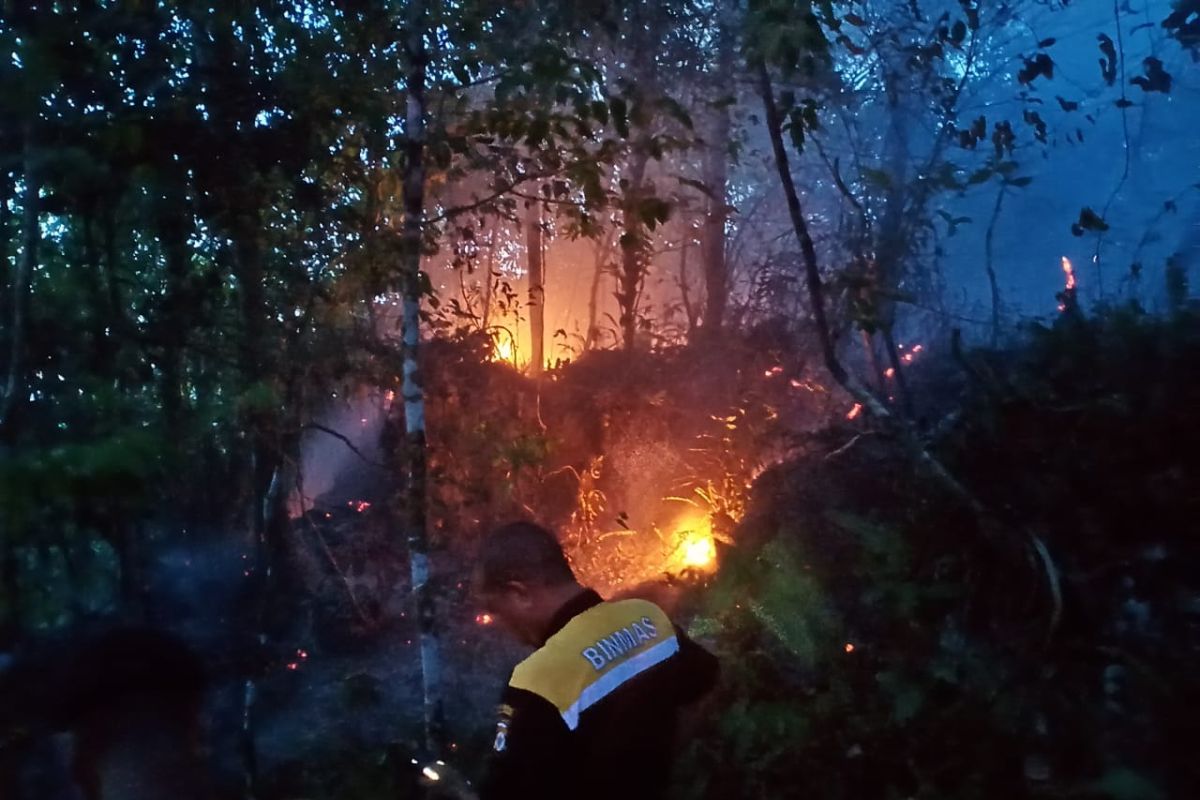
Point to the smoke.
(340, 453)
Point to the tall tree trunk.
(593, 330)
(633, 248)
(12, 625)
(685, 288)
(537, 291)
(486, 315)
(173, 229)
(716, 178)
(31, 236)
(412, 390)
(989, 266)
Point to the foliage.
(871, 651)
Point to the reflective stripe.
(609, 681)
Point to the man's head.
(522, 578)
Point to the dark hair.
(522, 551)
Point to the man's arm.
(530, 753)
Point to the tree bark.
(685, 289)
(486, 314)
(991, 271)
(412, 389)
(537, 291)
(593, 331)
(716, 178)
(173, 229)
(633, 249)
(31, 236)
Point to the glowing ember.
(359, 505)
(773, 371)
(890, 372)
(855, 411)
(484, 619)
(849, 647)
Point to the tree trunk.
(486, 315)
(991, 271)
(633, 250)
(716, 178)
(537, 291)
(14, 379)
(685, 289)
(412, 390)
(173, 230)
(593, 332)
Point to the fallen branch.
(344, 440)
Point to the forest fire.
(1069, 269)
(695, 547)
(504, 348)
(1067, 296)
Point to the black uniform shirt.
(592, 713)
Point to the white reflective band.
(608, 682)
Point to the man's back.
(592, 713)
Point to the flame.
(1069, 269)
(359, 505)
(502, 350)
(484, 619)
(890, 372)
(849, 647)
(700, 552)
(855, 411)
(695, 549)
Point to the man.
(592, 712)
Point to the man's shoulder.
(595, 652)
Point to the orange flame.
(855, 411)
(1069, 269)
(700, 552)
(696, 549)
(484, 619)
